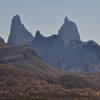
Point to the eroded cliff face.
(19, 35)
(69, 31)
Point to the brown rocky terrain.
(24, 74)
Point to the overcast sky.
(48, 16)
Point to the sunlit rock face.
(69, 31)
(19, 35)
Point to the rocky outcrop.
(69, 31)
(19, 35)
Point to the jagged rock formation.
(72, 56)
(69, 31)
(64, 51)
(19, 35)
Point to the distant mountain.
(64, 51)
(19, 35)
(69, 31)
(71, 56)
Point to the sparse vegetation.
(23, 75)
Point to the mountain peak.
(69, 31)
(16, 19)
(19, 35)
(66, 19)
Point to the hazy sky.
(48, 15)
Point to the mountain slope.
(25, 58)
(18, 83)
(15, 82)
(23, 73)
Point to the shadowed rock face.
(19, 35)
(69, 31)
